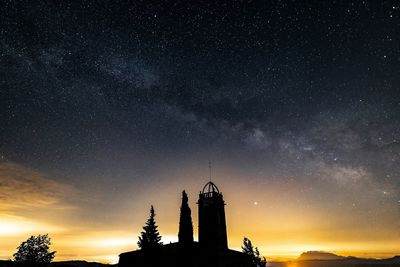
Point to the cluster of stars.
(306, 92)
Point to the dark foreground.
(348, 262)
(62, 264)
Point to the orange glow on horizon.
(276, 217)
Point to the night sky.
(107, 107)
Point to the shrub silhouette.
(150, 237)
(35, 251)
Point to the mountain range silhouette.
(327, 259)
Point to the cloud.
(31, 203)
(22, 188)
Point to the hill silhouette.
(75, 263)
(80, 264)
(323, 261)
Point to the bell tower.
(212, 224)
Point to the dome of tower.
(210, 187)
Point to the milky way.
(303, 95)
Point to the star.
(298, 103)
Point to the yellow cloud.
(24, 188)
(28, 201)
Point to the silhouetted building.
(211, 250)
(212, 224)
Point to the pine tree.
(247, 247)
(260, 262)
(185, 234)
(150, 237)
(253, 252)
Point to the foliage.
(150, 237)
(253, 252)
(35, 251)
(185, 234)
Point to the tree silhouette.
(150, 237)
(253, 252)
(35, 251)
(185, 234)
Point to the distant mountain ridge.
(323, 255)
(319, 255)
(327, 259)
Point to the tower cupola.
(212, 223)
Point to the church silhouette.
(210, 251)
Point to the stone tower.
(212, 224)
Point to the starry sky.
(107, 107)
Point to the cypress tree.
(185, 234)
(150, 237)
